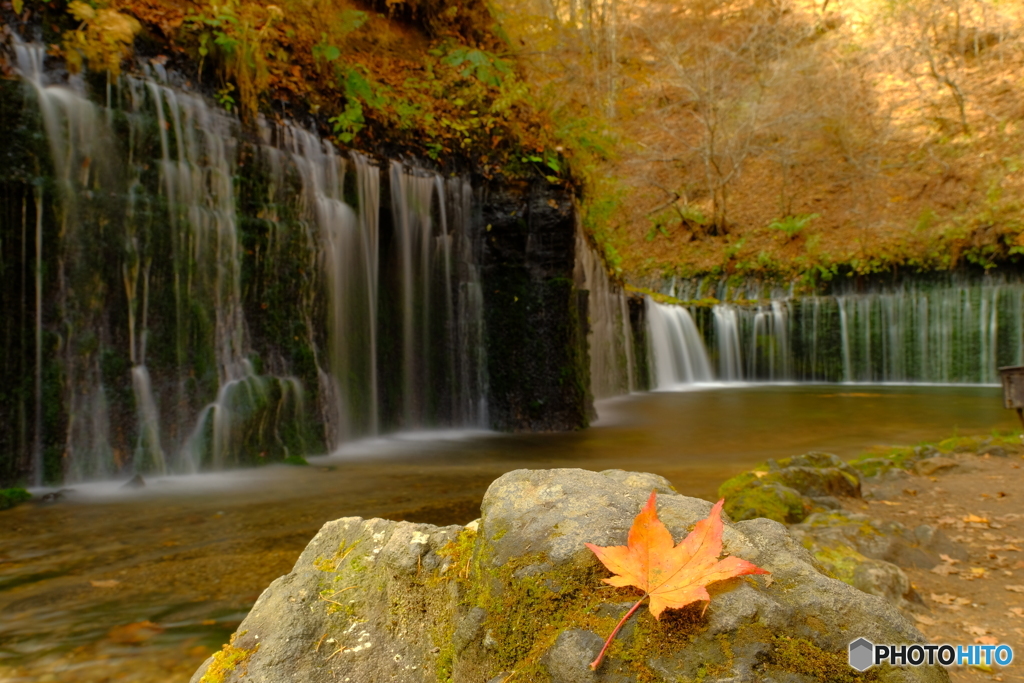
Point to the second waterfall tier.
(951, 332)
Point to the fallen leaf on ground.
(978, 572)
(927, 621)
(948, 599)
(134, 634)
(105, 583)
(945, 569)
(889, 502)
(975, 519)
(987, 640)
(947, 559)
(1015, 589)
(1016, 612)
(975, 630)
(673, 576)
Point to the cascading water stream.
(677, 348)
(610, 337)
(727, 331)
(412, 203)
(76, 138)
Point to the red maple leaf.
(672, 576)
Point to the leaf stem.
(597, 662)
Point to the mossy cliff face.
(517, 593)
(192, 297)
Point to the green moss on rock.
(783, 490)
(801, 656)
(13, 496)
(839, 560)
(770, 500)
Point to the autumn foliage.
(430, 77)
(672, 576)
(791, 138)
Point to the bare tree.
(726, 63)
(941, 41)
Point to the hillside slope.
(790, 138)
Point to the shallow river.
(107, 584)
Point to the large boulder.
(519, 593)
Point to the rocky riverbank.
(971, 492)
(934, 529)
(517, 595)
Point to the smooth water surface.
(142, 585)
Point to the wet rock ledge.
(518, 593)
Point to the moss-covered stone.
(816, 474)
(770, 500)
(879, 460)
(784, 490)
(838, 559)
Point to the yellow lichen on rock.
(227, 661)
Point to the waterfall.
(224, 296)
(610, 338)
(955, 333)
(468, 357)
(957, 330)
(727, 332)
(767, 353)
(676, 347)
(439, 316)
(77, 136)
(411, 204)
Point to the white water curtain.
(677, 349)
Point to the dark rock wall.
(536, 341)
(638, 326)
